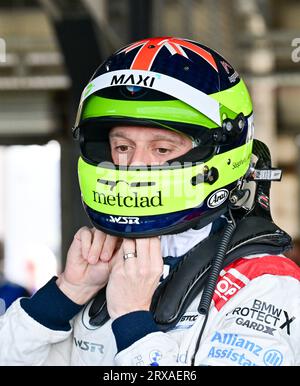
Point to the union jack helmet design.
(170, 83)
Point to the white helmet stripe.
(159, 82)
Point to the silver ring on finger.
(129, 255)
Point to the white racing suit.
(254, 320)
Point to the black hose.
(215, 269)
(210, 286)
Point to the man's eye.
(122, 148)
(162, 150)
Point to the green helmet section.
(161, 190)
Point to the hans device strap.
(254, 235)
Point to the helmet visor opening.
(94, 138)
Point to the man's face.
(138, 145)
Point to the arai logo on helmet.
(218, 198)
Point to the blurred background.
(48, 51)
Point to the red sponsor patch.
(238, 274)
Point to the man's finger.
(96, 247)
(84, 237)
(109, 247)
(155, 252)
(129, 250)
(143, 250)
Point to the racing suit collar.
(179, 244)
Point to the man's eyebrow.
(161, 137)
(156, 137)
(113, 135)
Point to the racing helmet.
(175, 84)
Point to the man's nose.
(141, 156)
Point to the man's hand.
(132, 282)
(87, 267)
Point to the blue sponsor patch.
(241, 351)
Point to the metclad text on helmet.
(135, 80)
(134, 201)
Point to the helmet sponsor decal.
(241, 162)
(135, 80)
(217, 198)
(232, 78)
(124, 220)
(195, 98)
(128, 201)
(227, 66)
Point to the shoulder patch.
(238, 274)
